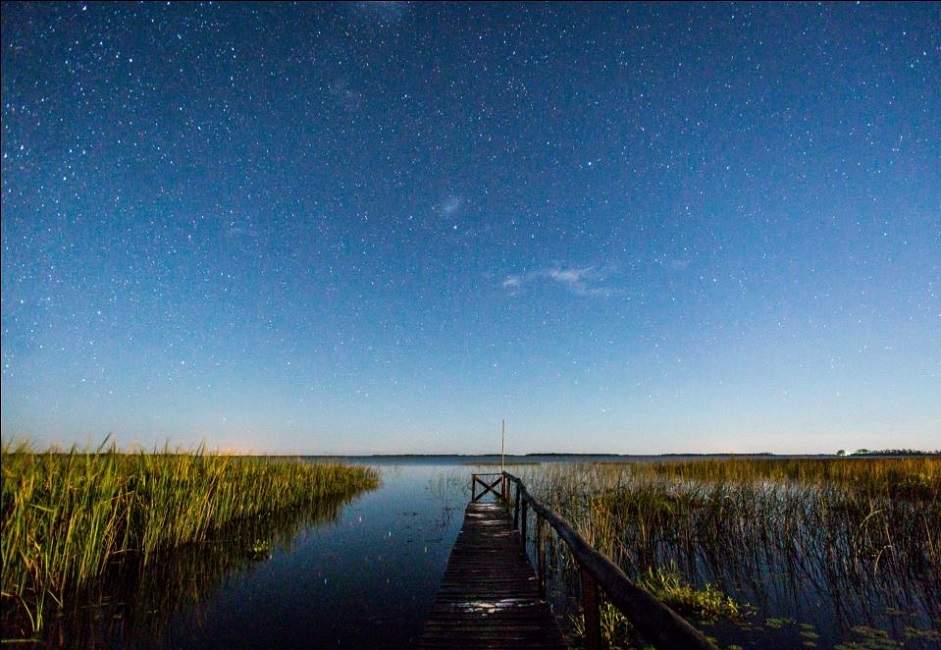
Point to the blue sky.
(383, 228)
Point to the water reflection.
(135, 605)
(365, 577)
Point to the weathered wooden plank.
(489, 596)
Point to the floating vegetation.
(777, 623)
(916, 633)
(868, 638)
(66, 517)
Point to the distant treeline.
(890, 452)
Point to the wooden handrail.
(656, 621)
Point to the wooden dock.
(489, 597)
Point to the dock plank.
(489, 596)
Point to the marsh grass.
(905, 478)
(132, 604)
(67, 516)
(616, 630)
(861, 533)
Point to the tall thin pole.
(502, 443)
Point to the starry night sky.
(381, 228)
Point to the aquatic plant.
(67, 516)
(705, 603)
(616, 631)
(860, 532)
(133, 603)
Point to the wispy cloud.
(451, 205)
(582, 281)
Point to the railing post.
(473, 487)
(516, 509)
(523, 524)
(591, 611)
(540, 556)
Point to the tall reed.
(136, 604)
(858, 532)
(67, 516)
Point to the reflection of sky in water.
(369, 580)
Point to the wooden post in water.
(591, 611)
(505, 489)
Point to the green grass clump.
(67, 516)
(616, 631)
(707, 603)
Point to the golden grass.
(66, 516)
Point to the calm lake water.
(360, 573)
(367, 579)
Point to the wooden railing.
(658, 623)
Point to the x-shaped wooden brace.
(487, 488)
